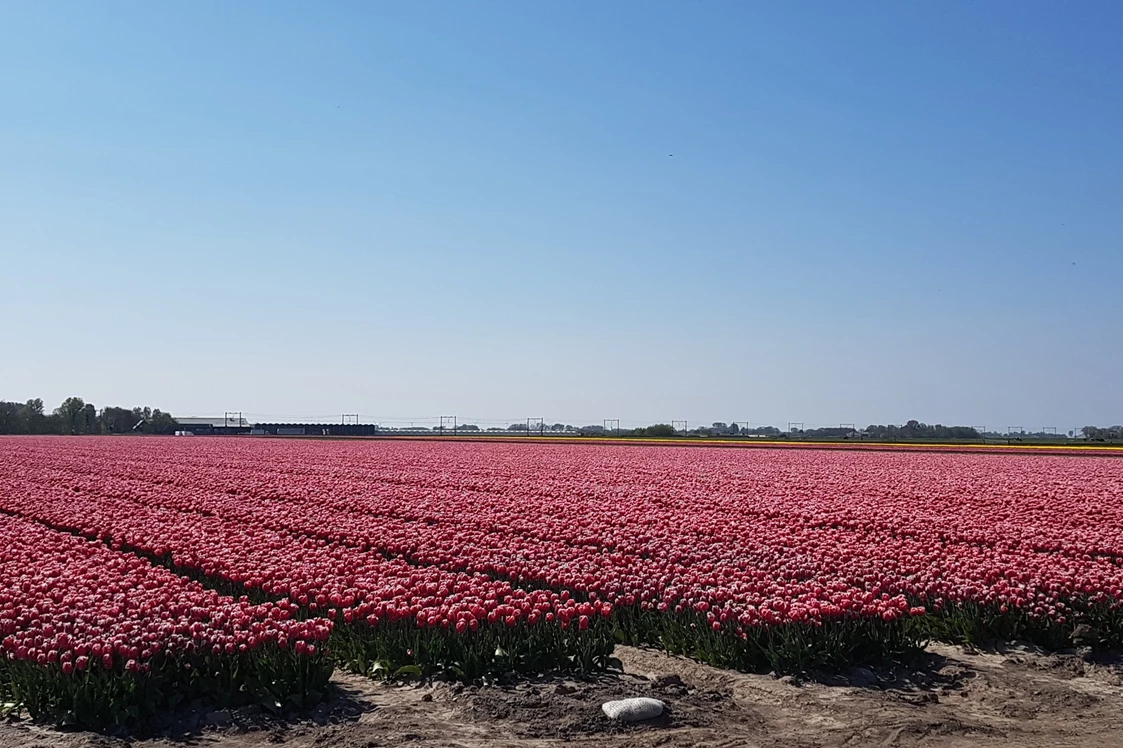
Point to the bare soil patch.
(957, 698)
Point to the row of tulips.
(475, 558)
(92, 636)
(767, 541)
(1009, 446)
(394, 617)
(336, 580)
(1042, 504)
(353, 578)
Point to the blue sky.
(773, 212)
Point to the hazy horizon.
(860, 213)
(398, 421)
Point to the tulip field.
(136, 573)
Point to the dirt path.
(958, 699)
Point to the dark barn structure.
(316, 429)
(213, 426)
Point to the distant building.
(202, 426)
(321, 429)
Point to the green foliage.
(917, 430)
(99, 698)
(657, 429)
(1095, 433)
(27, 418)
(391, 650)
(70, 415)
(789, 648)
(1099, 625)
(116, 420)
(75, 416)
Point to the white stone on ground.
(633, 710)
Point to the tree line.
(76, 416)
(1095, 433)
(912, 430)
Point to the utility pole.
(616, 425)
(531, 422)
(676, 429)
(353, 416)
(450, 419)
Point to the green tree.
(33, 418)
(70, 414)
(88, 417)
(10, 421)
(160, 422)
(116, 420)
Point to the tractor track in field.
(957, 698)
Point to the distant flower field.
(138, 572)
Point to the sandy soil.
(958, 698)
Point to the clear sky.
(786, 211)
